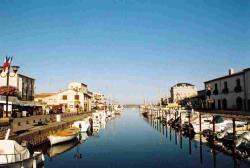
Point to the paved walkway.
(29, 125)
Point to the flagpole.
(7, 95)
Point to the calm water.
(131, 141)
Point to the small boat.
(61, 148)
(13, 155)
(82, 125)
(63, 136)
(243, 138)
(109, 114)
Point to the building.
(76, 98)
(181, 91)
(98, 101)
(195, 102)
(21, 94)
(230, 92)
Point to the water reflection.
(130, 140)
(56, 150)
(199, 142)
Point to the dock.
(27, 128)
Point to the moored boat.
(13, 155)
(82, 125)
(63, 136)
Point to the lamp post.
(6, 70)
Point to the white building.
(75, 98)
(181, 91)
(22, 97)
(230, 92)
(24, 85)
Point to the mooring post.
(234, 137)
(201, 153)
(200, 121)
(213, 128)
(175, 137)
(170, 133)
(189, 125)
(181, 140)
(175, 115)
(180, 121)
(190, 146)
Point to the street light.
(5, 72)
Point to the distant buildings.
(230, 92)
(195, 102)
(98, 101)
(181, 91)
(76, 98)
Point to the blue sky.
(128, 49)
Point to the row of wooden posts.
(190, 146)
(200, 124)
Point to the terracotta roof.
(42, 95)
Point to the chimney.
(231, 71)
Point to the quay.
(35, 129)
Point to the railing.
(7, 158)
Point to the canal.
(129, 140)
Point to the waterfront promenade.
(35, 129)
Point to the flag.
(7, 63)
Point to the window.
(216, 92)
(76, 97)
(239, 103)
(238, 88)
(219, 105)
(238, 82)
(224, 104)
(64, 97)
(225, 90)
(225, 85)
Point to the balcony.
(238, 89)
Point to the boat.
(109, 114)
(82, 125)
(63, 136)
(13, 155)
(243, 138)
(219, 122)
(61, 148)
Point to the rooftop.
(182, 84)
(229, 75)
(42, 95)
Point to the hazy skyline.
(127, 49)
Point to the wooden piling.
(201, 153)
(189, 124)
(200, 121)
(213, 128)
